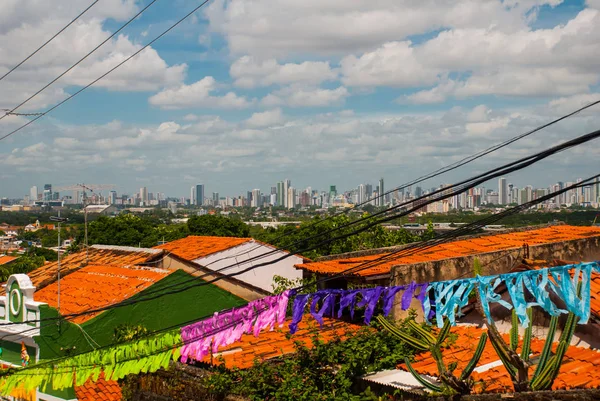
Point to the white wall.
(261, 277)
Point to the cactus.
(548, 366)
(425, 341)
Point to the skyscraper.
(113, 197)
(199, 194)
(362, 194)
(47, 192)
(286, 186)
(33, 194)
(192, 195)
(291, 197)
(280, 194)
(502, 191)
(215, 198)
(144, 196)
(256, 198)
(382, 201)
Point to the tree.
(218, 226)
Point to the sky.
(246, 93)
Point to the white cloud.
(250, 73)
(266, 119)
(393, 64)
(295, 96)
(198, 94)
(275, 28)
(24, 23)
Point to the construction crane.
(86, 187)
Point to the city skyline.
(226, 108)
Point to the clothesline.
(443, 299)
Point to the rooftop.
(580, 368)
(119, 256)
(96, 286)
(4, 259)
(456, 249)
(194, 247)
(277, 343)
(101, 390)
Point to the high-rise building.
(382, 200)
(47, 192)
(144, 196)
(112, 197)
(291, 198)
(192, 195)
(256, 198)
(280, 194)
(362, 194)
(286, 186)
(215, 198)
(199, 194)
(33, 194)
(502, 191)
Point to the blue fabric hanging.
(450, 297)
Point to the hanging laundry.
(225, 328)
(349, 299)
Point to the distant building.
(104, 210)
(502, 191)
(199, 198)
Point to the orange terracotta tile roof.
(457, 249)
(6, 259)
(194, 246)
(96, 286)
(580, 368)
(101, 390)
(276, 343)
(119, 256)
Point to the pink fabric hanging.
(223, 329)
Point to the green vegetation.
(326, 372)
(215, 225)
(295, 238)
(24, 264)
(425, 341)
(518, 366)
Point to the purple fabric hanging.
(298, 311)
(388, 298)
(327, 307)
(348, 299)
(370, 297)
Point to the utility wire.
(461, 187)
(469, 227)
(440, 171)
(48, 41)
(73, 66)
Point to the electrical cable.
(49, 40)
(510, 167)
(76, 64)
(479, 223)
(108, 72)
(444, 169)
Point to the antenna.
(91, 188)
(59, 220)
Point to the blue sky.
(246, 93)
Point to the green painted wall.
(169, 310)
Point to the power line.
(49, 40)
(461, 187)
(438, 172)
(75, 65)
(469, 227)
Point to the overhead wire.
(439, 171)
(75, 65)
(232, 323)
(461, 187)
(48, 41)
